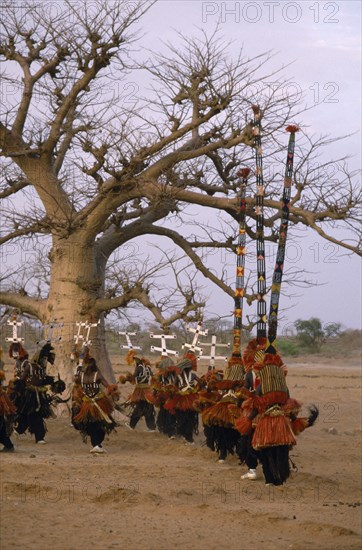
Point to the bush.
(310, 334)
(287, 347)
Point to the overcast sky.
(323, 42)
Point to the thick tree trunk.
(76, 283)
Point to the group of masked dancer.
(171, 391)
(248, 411)
(31, 395)
(245, 410)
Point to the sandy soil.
(153, 494)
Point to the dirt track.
(153, 494)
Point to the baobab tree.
(86, 171)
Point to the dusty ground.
(153, 494)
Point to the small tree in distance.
(311, 335)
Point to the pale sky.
(323, 41)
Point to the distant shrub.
(310, 334)
(287, 347)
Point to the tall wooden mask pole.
(279, 263)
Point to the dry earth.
(153, 494)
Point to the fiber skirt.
(182, 402)
(97, 409)
(35, 399)
(221, 414)
(141, 393)
(273, 431)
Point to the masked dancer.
(141, 398)
(94, 417)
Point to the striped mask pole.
(240, 265)
(259, 212)
(279, 264)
